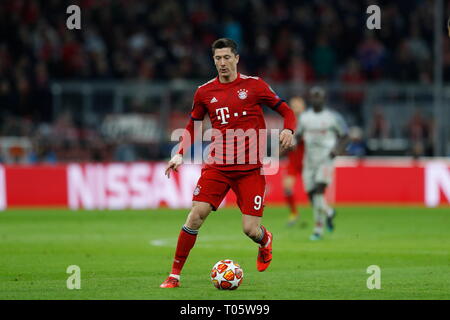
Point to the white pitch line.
(158, 243)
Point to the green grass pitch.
(127, 254)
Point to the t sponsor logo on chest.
(224, 113)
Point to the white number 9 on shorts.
(258, 203)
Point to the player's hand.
(173, 164)
(284, 152)
(286, 139)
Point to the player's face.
(297, 105)
(317, 100)
(226, 62)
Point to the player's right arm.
(197, 114)
(341, 130)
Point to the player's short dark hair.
(224, 43)
(317, 90)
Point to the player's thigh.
(250, 188)
(212, 187)
(292, 169)
(324, 173)
(288, 182)
(308, 178)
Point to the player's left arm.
(197, 114)
(297, 138)
(272, 100)
(343, 139)
(287, 134)
(341, 144)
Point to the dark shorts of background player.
(249, 187)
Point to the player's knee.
(198, 214)
(288, 185)
(320, 188)
(194, 220)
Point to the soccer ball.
(227, 275)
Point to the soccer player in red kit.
(233, 102)
(294, 165)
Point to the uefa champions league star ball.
(227, 275)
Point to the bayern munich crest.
(197, 190)
(242, 94)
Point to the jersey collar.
(228, 83)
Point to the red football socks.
(186, 241)
(291, 203)
(265, 236)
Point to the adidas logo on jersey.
(213, 100)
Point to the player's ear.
(237, 58)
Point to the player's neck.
(228, 79)
(317, 110)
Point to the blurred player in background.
(325, 136)
(233, 102)
(294, 165)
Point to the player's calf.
(331, 214)
(253, 233)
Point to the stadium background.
(85, 123)
(115, 90)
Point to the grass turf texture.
(127, 254)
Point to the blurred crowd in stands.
(298, 41)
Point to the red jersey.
(235, 111)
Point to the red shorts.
(295, 161)
(249, 187)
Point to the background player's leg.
(309, 181)
(321, 210)
(319, 214)
(322, 202)
(288, 186)
(188, 235)
(324, 178)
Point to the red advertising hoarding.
(144, 185)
